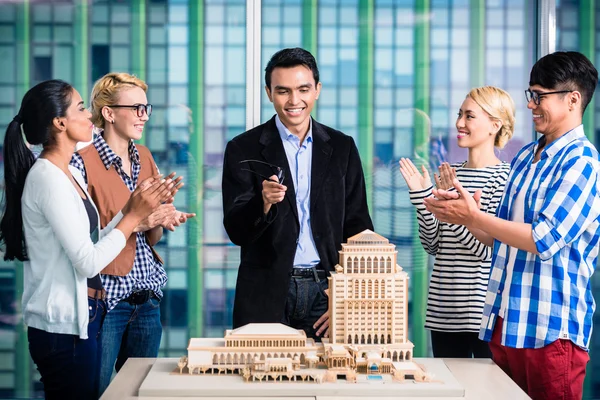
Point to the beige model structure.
(368, 295)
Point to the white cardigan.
(61, 254)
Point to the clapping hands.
(415, 180)
(165, 215)
(444, 180)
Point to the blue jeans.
(306, 303)
(69, 366)
(129, 330)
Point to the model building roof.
(265, 330)
(367, 237)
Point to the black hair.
(566, 70)
(288, 58)
(40, 105)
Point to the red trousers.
(555, 371)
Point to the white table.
(481, 379)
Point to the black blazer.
(338, 210)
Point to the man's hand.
(161, 216)
(322, 324)
(272, 193)
(454, 207)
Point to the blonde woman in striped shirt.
(462, 263)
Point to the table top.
(481, 379)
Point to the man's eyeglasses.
(140, 108)
(536, 96)
(279, 172)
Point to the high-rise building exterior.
(368, 295)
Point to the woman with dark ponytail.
(51, 224)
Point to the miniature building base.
(162, 382)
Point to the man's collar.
(285, 133)
(557, 145)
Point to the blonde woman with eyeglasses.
(112, 166)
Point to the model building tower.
(368, 296)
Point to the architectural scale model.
(368, 298)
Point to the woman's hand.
(415, 180)
(447, 175)
(150, 194)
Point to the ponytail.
(18, 160)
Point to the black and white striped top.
(462, 263)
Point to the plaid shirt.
(147, 272)
(550, 294)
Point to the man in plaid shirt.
(539, 304)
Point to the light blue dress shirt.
(300, 160)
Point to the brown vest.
(110, 194)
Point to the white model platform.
(162, 382)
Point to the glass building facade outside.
(394, 74)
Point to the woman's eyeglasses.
(141, 109)
(279, 172)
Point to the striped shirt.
(147, 272)
(462, 263)
(550, 294)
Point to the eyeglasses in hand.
(140, 108)
(279, 172)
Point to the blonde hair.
(106, 92)
(499, 106)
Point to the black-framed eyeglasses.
(140, 108)
(279, 172)
(536, 96)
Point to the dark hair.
(288, 58)
(566, 70)
(40, 105)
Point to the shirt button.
(499, 291)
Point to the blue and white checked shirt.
(300, 161)
(147, 272)
(550, 294)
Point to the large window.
(394, 74)
(225, 116)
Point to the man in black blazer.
(293, 192)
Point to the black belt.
(139, 297)
(310, 272)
